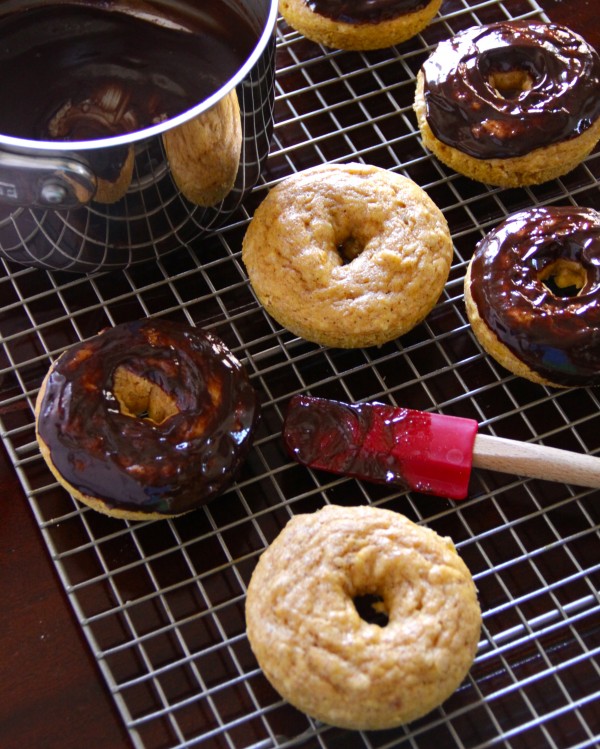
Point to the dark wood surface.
(51, 692)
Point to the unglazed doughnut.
(327, 660)
(146, 420)
(510, 104)
(348, 255)
(532, 292)
(204, 153)
(340, 24)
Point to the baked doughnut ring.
(359, 26)
(146, 420)
(204, 153)
(510, 104)
(322, 656)
(348, 255)
(532, 293)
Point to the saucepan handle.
(46, 181)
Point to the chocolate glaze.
(466, 112)
(134, 463)
(556, 336)
(85, 71)
(331, 435)
(424, 452)
(370, 11)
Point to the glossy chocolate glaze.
(370, 11)
(85, 71)
(465, 111)
(129, 461)
(331, 435)
(556, 336)
(424, 452)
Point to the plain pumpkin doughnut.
(321, 655)
(348, 255)
(204, 153)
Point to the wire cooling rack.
(162, 604)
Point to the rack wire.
(162, 604)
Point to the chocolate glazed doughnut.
(512, 103)
(148, 419)
(344, 24)
(532, 292)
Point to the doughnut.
(146, 420)
(406, 652)
(347, 255)
(510, 104)
(340, 24)
(532, 293)
(204, 153)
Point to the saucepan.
(128, 127)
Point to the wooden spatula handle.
(536, 461)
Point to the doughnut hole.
(372, 609)
(141, 399)
(510, 84)
(349, 248)
(354, 230)
(368, 584)
(563, 277)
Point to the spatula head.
(425, 452)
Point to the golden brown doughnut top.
(370, 11)
(502, 90)
(149, 416)
(306, 627)
(535, 280)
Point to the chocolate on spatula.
(425, 452)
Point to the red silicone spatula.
(427, 452)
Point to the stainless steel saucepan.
(105, 201)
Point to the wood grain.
(50, 686)
(536, 461)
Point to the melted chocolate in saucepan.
(75, 72)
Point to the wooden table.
(51, 692)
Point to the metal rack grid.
(161, 604)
